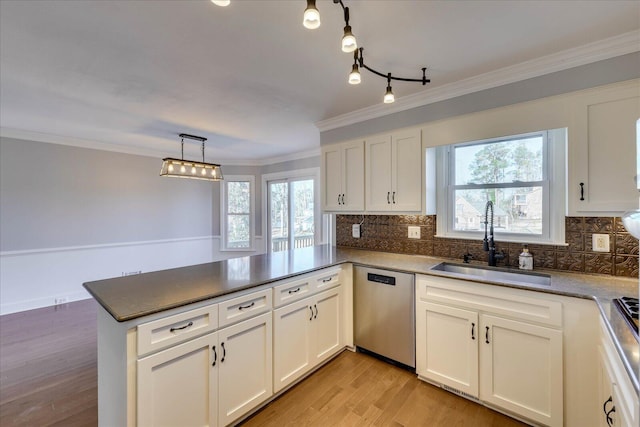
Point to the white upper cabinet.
(342, 171)
(602, 151)
(393, 167)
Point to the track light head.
(348, 40)
(354, 76)
(311, 19)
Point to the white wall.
(69, 215)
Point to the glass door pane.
(279, 216)
(302, 213)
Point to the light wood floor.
(358, 390)
(48, 377)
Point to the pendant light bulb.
(311, 19)
(221, 2)
(348, 40)
(388, 97)
(354, 76)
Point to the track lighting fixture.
(181, 168)
(311, 19)
(349, 45)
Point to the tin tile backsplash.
(388, 233)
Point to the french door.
(291, 216)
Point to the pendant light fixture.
(311, 18)
(181, 168)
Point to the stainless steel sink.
(494, 274)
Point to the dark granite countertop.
(127, 298)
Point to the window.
(293, 215)
(238, 213)
(517, 174)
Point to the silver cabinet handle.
(394, 198)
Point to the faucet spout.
(488, 244)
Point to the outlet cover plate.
(414, 232)
(355, 231)
(600, 243)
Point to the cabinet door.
(602, 145)
(447, 346)
(607, 416)
(521, 369)
(353, 176)
(331, 182)
(291, 342)
(245, 369)
(406, 186)
(378, 174)
(327, 324)
(178, 386)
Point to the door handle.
(215, 355)
(224, 353)
(339, 199)
(473, 331)
(311, 317)
(343, 198)
(315, 316)
(394, 198)
(388, 194)
(486, 335)
(581, 191)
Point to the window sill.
(506, 239)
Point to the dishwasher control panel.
(379, 278)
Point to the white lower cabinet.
(521, 368)
(306, 333)
(471, 341)
(179, 386)
(617, 399)
(208, 381)
(451, 335)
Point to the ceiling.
(131, 75)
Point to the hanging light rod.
(311, 20)
(181, 168)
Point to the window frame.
(321, 226)
(553, 183)
(224, 212)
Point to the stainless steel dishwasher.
(384, 314)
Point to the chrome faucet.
(488, 244)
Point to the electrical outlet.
(414, 232)
(600, 243)
(355, 231)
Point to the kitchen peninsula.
(205, 300)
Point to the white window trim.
(321, 225)
(223, 212)
(554, 203)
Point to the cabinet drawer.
(292, 291)
(168, 331)
(515, 303)
(244, 307)
(326, 280)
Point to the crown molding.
(139, 151)
(78, 142)
(570, 58)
